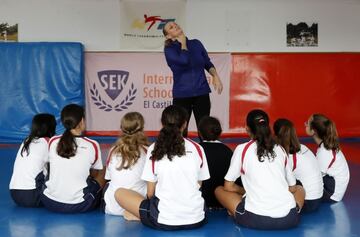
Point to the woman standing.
(187, 60)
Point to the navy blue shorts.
(29, 198)
(92, 196)
(149, 213)
(251, 220)
(329, 188)
(311, 205)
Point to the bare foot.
(130, 217)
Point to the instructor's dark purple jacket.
(188, 68)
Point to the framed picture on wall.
(8, 32)
(302, 34)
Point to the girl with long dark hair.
(271, 199)
(174, 169)
(76, 175)
(30, 167)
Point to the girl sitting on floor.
(76, 175)
(331, 160)
(30, 167)
(126, 161)
(272, 199)
(174, 169)
(302, 162)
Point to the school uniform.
(125, 178)
(307, 171)
(70, 187)
(27, 180)
(218, 157)
(335, 171)
(268, 203)
(177, 203)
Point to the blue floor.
(338, 220)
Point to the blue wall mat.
(37, 78)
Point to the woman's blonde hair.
(131, 141)
(167, 42)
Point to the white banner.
(117, 83)
(142, 21)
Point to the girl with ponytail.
(272, 200)
(76, 176)
(302, 162)
(30, 167)
(125, 162)
(332, 162)
(174, 169)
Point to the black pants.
(199, 105)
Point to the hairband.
(131, 133)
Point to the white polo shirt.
(266, 183)
(306, 169)
(334, 165)
(68, 176)
(28, 166)
(126, 178)
(177, 185)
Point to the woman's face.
(173, 30)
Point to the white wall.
(222, 25)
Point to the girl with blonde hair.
(126, 161)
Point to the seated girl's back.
(332, 162)
(126, 161)
(302, 162)
(218, 156)
(76, 176)
(174, 169)
(30, 167)
(266, 182)
(177, 187)
(68, 175)
(270, 199)
(306, 169)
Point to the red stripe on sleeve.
(108, 158)
(333, 159)
(243, 156)
(53, 139)
(95, 147)
(152, 165)
(197, 146)
(294, 161)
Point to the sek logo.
(113, 83)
